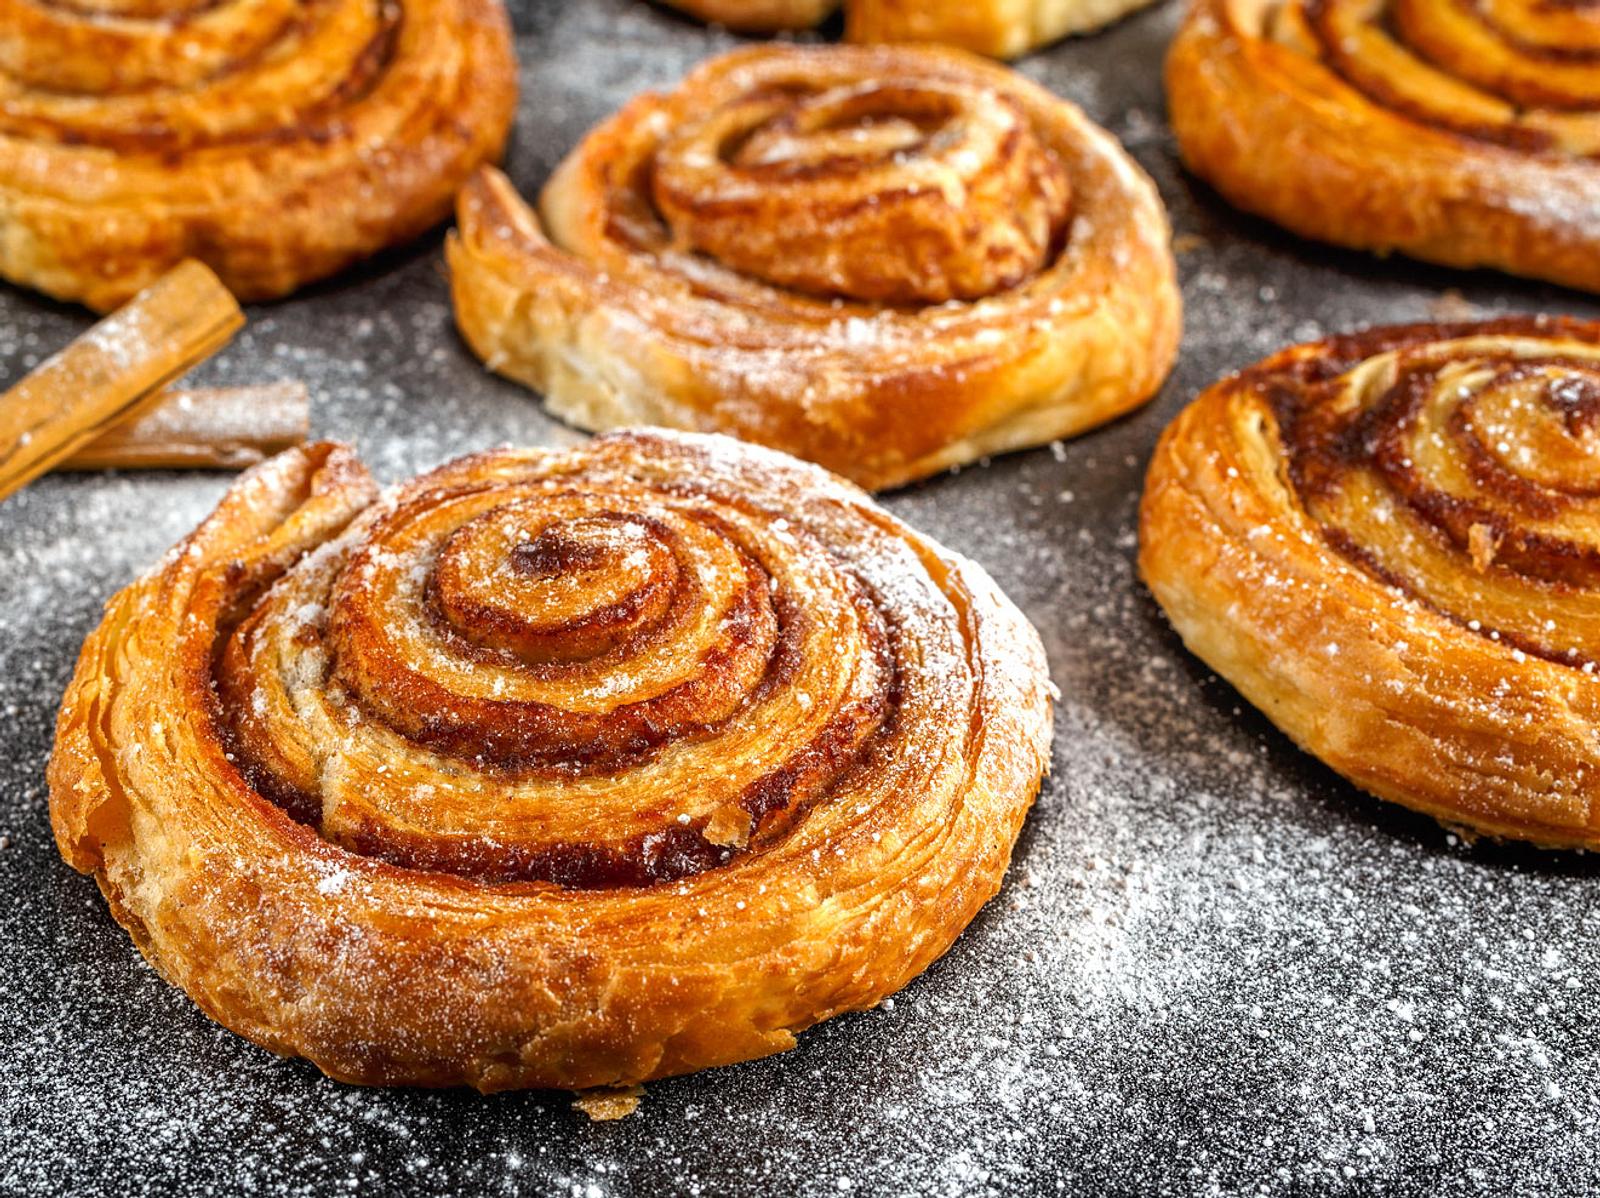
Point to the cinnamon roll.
(1390, 543)
(887, 260)
(275, 140)
(560, 769)
(1000, 28)
(1462, 132)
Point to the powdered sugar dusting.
(1214, 967)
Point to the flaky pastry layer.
(999, 28)
(561, 769)
(1390, 543)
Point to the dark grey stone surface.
(1216, 967)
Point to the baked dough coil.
(558, 769)
(759, 16)
(889, 261)
(276, 140)
(1000, 28)
(1460, 133)
(1390, 543)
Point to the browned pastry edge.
(759, 16)
(998, 28)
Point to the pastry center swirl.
(549, 682)
(897, 192)
(555, 590)
(1466, 473)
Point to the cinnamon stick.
(222, 428)
(109, 372)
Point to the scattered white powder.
(1192, 983)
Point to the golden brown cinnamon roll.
(1459, 133)
(889, 261)
(549, 768)
(1001, 28)
(275, 140)
(1390, 543)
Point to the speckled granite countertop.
(1216, 967)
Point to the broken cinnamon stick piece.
(222, 428)
(108, 373)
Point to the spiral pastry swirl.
(549, 769)
(1462, 132)
(1390, 543)
(275, 140)
(888, 261)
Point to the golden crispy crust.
(1454, 133)
(759, 16)
(276, 140)
(549, 769)
(1000, 28)
(1390, 543)
(889, 261)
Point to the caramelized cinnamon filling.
(1463, 470)
(502, 656)
(1524, 74)
(835, 185)
(181, 78)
